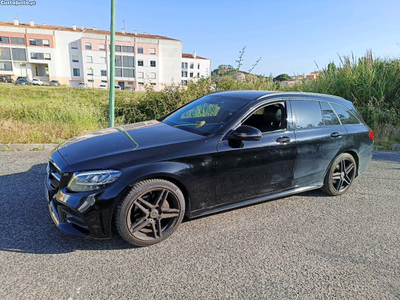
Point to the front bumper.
(86, 214)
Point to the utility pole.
(112, 65)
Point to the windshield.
(206, 115)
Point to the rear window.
(307, 114)
(345, 116)
(329, 116)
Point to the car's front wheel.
(340, 175)
(150, 212)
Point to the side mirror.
(246, 133)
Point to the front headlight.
(92, 180)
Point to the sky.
(293, 37)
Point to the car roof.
(264, 95)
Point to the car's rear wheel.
(340, 175)
(150, 212)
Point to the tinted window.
(5, 53)
(308, 114)
(17, 41)
(205, 115)
(328, 114)
(345, 115)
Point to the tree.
(282, 77)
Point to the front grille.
(54, 175)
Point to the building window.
(153, 51)
(103, 72)
(46, 43)
(74, 45)
(35, 42)
(140, 63)
(5, 53)
(118, 72)
(128, 62)
(75, 58)
(88, 46)
(140, 50)
(192, 65)
(76, 72)
(127, 49)
(17, 41)
(19, 54)
(90, 71)
(102, 47)
(152, 75)
(89, 59)
(191, 74)
(184, 82)
(118, 60)
(103, 60)
(104, 81)
(128, 73)
(45, 56)
(184, 73)
(140, 75)
(117, 48)
(184, 65)
(198, 75)
(90, 80)
(4, 40)
(5, 66)
(141, 83)
(152, 63)
(198, 66)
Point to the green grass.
(53, 114)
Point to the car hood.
(118, 146)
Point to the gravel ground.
(307, 246)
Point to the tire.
(340, 175)
(150, 212)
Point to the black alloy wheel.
(150, 212)
(340, 175)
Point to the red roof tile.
(187, 55)
(61, 28)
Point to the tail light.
(371, 135)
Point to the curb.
(27, 147)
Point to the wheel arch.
(356, 158)
(164, 176)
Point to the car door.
(319, 138)
(250, 169)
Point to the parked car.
(37, 81)
(82, 85)
(117, 87)
(23, 81)
(219, 152)
(6, 79)
(55, 83)
(102, 87)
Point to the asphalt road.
(308, 246)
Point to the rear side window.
(307, 114)
(329, 116)
(345, 116)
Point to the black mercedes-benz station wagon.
(221, 151)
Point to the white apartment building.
(194, 67)
(72, 55)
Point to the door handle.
(283, 140)
(336, 134)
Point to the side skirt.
(257, 200)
